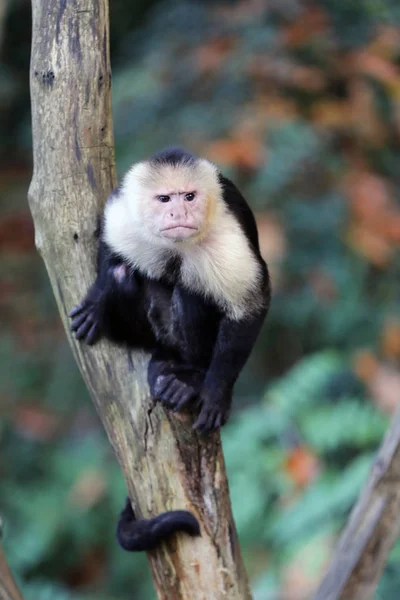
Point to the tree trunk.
(165, 463)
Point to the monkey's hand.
(214, 411)
(85, 321)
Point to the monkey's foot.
(85, 324)
(213, 415)
(173, 393)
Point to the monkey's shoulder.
(239, 207)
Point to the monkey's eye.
(164, 198)
(189, 197)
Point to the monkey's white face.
(175, 203)
(178, 214)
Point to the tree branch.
(8, 587)
(3, 14)
(165, 464)
(372, 529)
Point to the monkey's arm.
(234, 344)
(91, 318)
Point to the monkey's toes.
(173, 393)
(211, 417)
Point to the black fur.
(197, 350)
(146, 534)
(173, 156)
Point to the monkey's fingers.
(78, 320)
(78, 309)
(93, 334)
(82, 330)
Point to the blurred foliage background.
(298, 102)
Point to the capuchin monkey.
(181, 276)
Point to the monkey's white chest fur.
(221, 266)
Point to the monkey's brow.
(191, 191)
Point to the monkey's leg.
(173, 383)
(234, 343)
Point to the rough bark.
(165, 463)
(8, 587)
(371, 531)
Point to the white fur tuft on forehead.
(147, 179)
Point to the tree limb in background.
(371, 531)
(8, 587)
(165, 464)
(3, 13)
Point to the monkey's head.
(173, 201)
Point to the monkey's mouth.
(179, 233)
(174, 227)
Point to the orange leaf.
(332, 113)
(386, 42)
(301, 465)
(369, 195)
(372, 246)
(89, 569)
(384, 387)
(389, 226)
(311, 22)
(211, 56)
(243, 152)
(390, 341)
(373, 207)
(308, 78)
(274, 107)
(365, 118)
(365, 364)
(375, 66)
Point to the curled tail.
(146, 534)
